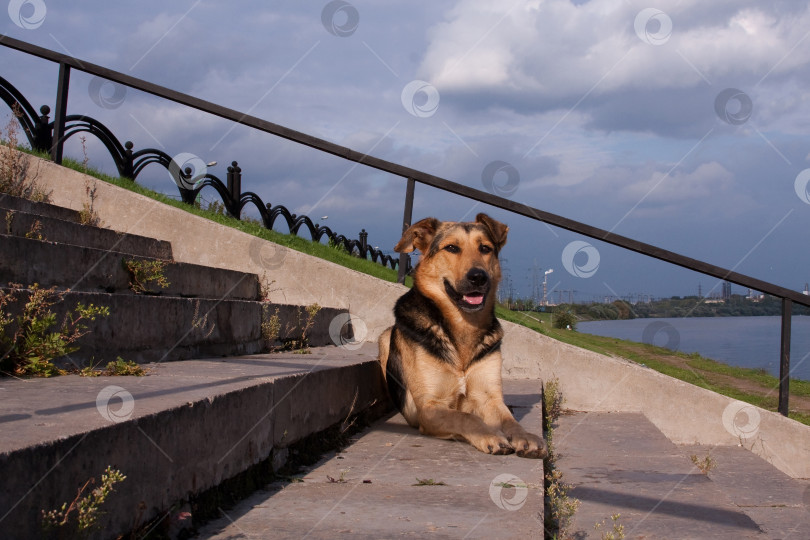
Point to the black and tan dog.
(442, 359)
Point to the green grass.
(691, 368)
(252, 227)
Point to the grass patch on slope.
(753, 386)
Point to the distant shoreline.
(742, 341)
(677, 307)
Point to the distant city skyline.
(557, 296)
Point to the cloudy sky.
(682, 124)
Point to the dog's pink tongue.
(474, 299)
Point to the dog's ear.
(496, 230)
(418, 236)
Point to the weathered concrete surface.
(19, 223)
(80, 268)
(46, 210)
(620, 463)
(297, 278)
(780, 505)
(163, 328)
(685, 413)
(368, 491)
(185, 427)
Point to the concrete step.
(778, 503)
(38, 208)
(29, 225)
(144, 328)
(189, 435)
(160, 328)
(368, 490)
(620, 463)
(28, 261)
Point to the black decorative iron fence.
(40, 132)
(60, 123)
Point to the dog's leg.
(494, 412)
(438, 421)
(391, 363)
(485, 399)
(526, 444)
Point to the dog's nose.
(477, 277)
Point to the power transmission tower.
(536, 283)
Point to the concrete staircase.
(214, 418)
(203, 311)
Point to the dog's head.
(459, 261)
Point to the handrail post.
(363, 242)
(235, 188)
(43, 140)
(129, 163)
(784, 357)
(406, 222)
(60, 113)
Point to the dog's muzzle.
(471, 293)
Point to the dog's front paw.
(494, 443)
(528, 445)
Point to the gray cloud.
(590, 115)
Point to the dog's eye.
(484, 249)
(452, 248)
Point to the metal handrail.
(65, 62)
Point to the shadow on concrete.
(13, 417)
(521, 404)
(158, 393)
(657, 505)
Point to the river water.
(751, 342)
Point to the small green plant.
(561, 506)
(9, 220)
(337, 246)
(265, 288)
(553, 404)
(90, 371)
(85, 157)
(83, 513)
(553, 399)
(201, 322)
(119, 367)
(704, 465)
(35, 233)
(428, 482)
(216, 208)
(339, 480)
(305, 321)
(124, 368)
(271, 325)
(143, 273)
(88, 214)
(312, 311)
(14, 173)
(564, 318)
(616, 533)
(29, 343)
